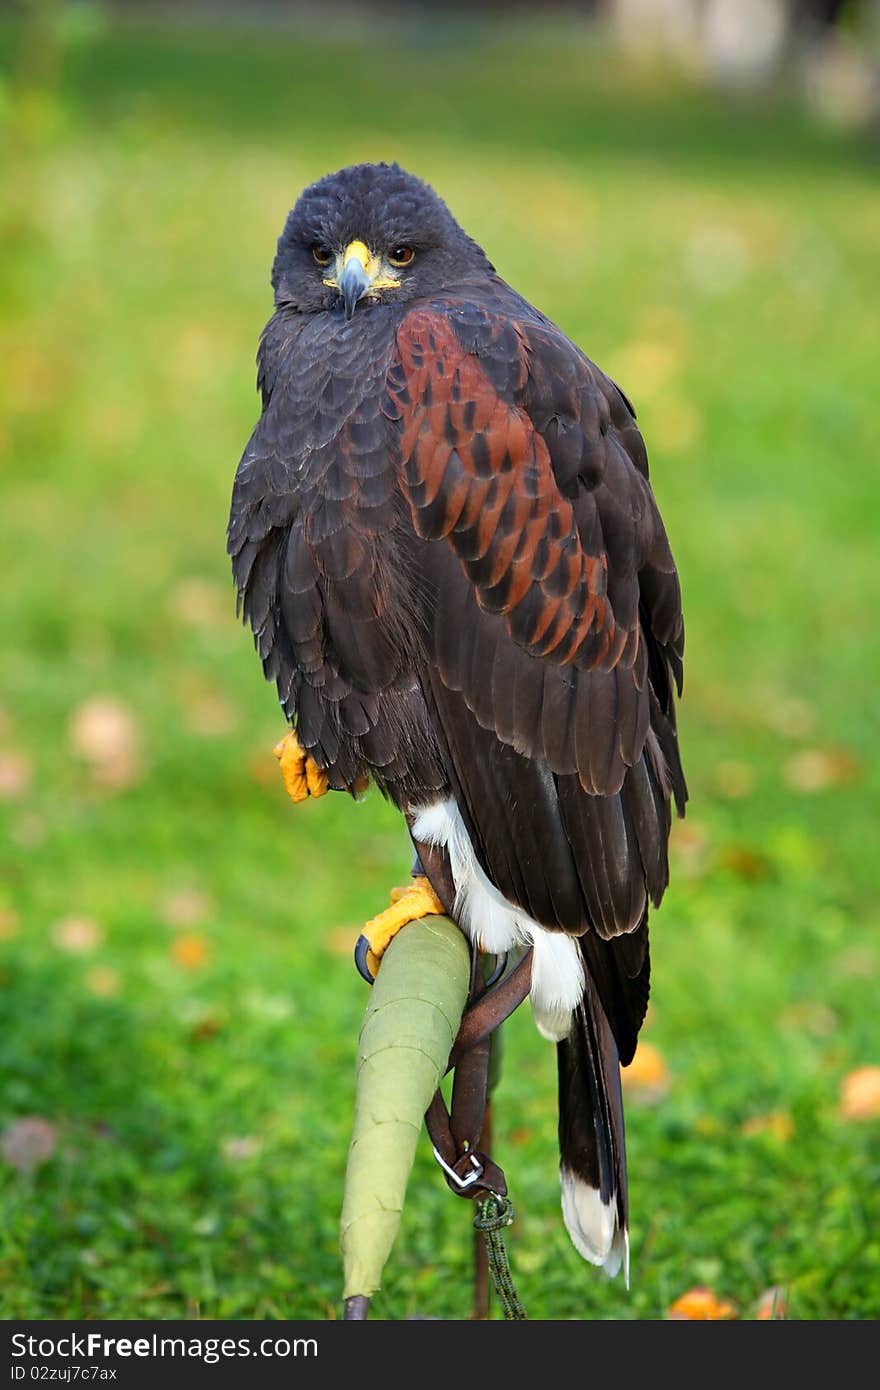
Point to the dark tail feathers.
(591, 1139)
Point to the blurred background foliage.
(178, 1008)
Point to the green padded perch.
(409, 1027)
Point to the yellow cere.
(357, 251)
(381, 276)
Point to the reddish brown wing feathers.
(478, 473)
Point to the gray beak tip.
(353, 285)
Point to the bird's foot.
(302, 776)
(408, 904)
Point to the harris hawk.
(446, 544)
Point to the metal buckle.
(451, 1173)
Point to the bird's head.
(369, 233)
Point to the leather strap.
(492, 1008)
(469, 1171)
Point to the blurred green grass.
(194, 1045)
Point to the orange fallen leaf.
(190, 952)
(28, 1142)
(815, 769)
(772, 1306)
(15, 775)
(647, 1077)
(104, 733)
(860, 1094)
(777, 1124)
(700, 1304)
(77, 935)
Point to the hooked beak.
(355, 279)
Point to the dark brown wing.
(526, 461)
(556, 631)
(322, 566)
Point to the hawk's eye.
(322, 254)
(401, 255)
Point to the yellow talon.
(302, 776)
(408, 904)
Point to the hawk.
(446, 544)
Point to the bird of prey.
(444, 538)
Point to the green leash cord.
(493, 1214)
